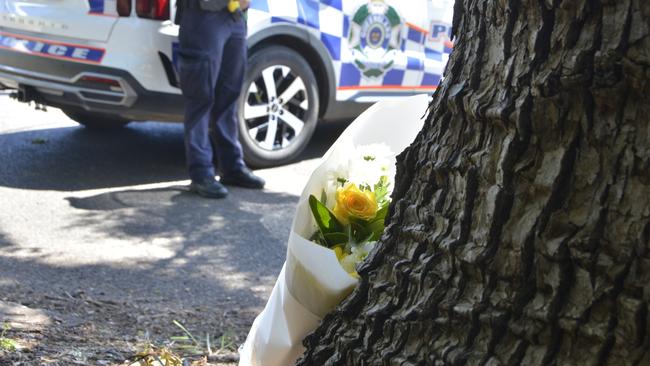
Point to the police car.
(106, 63)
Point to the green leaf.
(381, 214)
(330, 228)
(336, 238)
(319, 238)
(359, 230)
(368, 230)
(366, 238)
(376, 226)
(325, 219)
(381, 191)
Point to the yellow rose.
(354, 203)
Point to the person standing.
(212, 62)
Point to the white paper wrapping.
(312, 283)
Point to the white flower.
(370, 162)
(336, 177)
(365, 165)
(358, 254)
(361, 251)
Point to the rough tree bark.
(519, 231)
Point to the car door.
(384, 49)
(90, 20)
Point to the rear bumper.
(64, 83)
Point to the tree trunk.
(519, 231)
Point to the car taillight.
(124, 8)
(152, 9)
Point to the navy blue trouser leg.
(212, 64)
(225, 110)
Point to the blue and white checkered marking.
(102, 7)
(419, 65)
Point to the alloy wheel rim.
(275, 108)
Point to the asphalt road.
(108, 215)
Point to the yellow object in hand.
(233, 5)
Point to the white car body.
(81, 55)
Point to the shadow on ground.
(166, 239)
(245, 233)
(158, 255)
(76, 158)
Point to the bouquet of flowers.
(339, 218)
(353, 205)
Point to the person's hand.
(244, 4)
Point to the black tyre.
(278, 109)
(95, 121)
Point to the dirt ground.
(76, 329)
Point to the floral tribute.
(349, 216)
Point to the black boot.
(208, 188)
(243, 178)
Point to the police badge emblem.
(375, 37)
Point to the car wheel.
(96, 121)
(278, 110)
